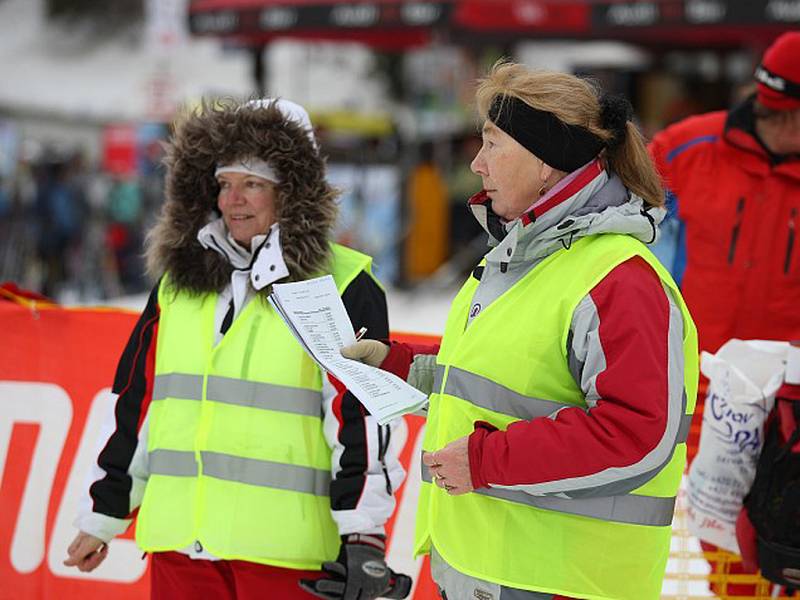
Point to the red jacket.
(741, 213)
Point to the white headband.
(250, 166)
(256, 166)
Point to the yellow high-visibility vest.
(236, 451)
(511, 364)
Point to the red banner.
(56, 368)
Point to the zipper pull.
(787, 261)
(388, 481)
(382, 447)
(735, 232)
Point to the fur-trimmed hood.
(221, 134)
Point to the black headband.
(775, 82)
(562, 146)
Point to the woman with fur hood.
(249, 467)
(562, 392)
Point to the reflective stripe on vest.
(630, 508)
(227, 390)
(263, 473)
(487, 394)
(237, 453)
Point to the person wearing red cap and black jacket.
(733, 180)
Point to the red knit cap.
(778, 75)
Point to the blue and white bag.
(744, 376)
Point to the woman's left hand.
(450, 467)
(370, 352)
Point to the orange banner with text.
(56, 369)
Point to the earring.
(542, 191)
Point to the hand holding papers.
(314, 313)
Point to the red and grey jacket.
(739, 209)
(624, 351)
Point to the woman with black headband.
(563, 388)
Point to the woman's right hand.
(371, 352)
(86, 552)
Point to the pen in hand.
(371, 352)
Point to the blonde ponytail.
(632, 163)
(576, 101)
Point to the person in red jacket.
(733, 180)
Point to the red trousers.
(175, 576)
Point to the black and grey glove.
(359, 573)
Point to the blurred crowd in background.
(73, 230)
(81, 176)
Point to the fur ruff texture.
(220, 134)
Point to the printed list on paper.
(314, 312)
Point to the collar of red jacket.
(740, 132)
(489, 220)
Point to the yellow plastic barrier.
(689, 575)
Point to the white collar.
(264, 261)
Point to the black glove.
(359, 573)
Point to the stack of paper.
(314, 313)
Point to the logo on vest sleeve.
(480, 594)
(475, 310)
